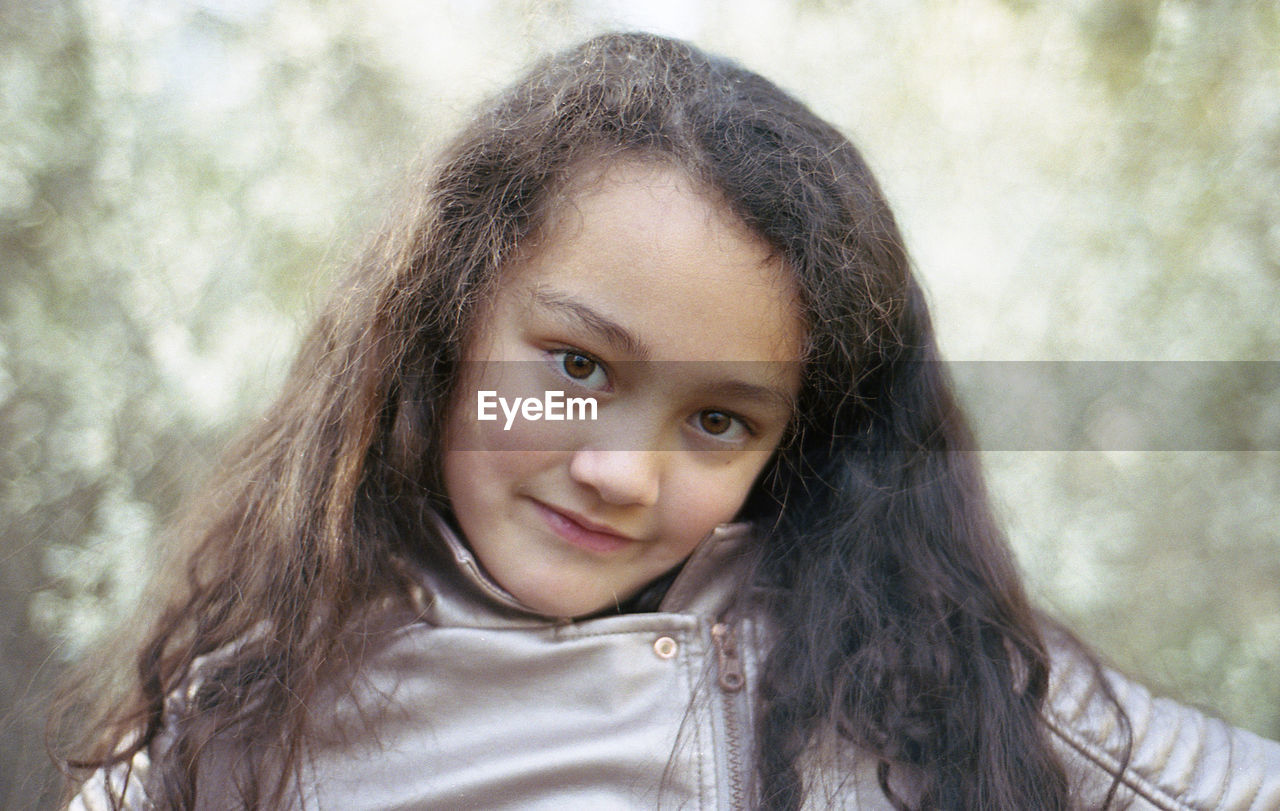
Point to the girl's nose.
(622, 478)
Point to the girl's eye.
(579, 367)
(582, 369)
(722, 425)
(715, 422)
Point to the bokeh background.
(1082, 180)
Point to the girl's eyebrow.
(770, 396)
(618, 337)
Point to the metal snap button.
(665, 647)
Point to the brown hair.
(905, 628)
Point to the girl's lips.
(579, 532)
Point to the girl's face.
(652, 299)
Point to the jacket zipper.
(730, 678)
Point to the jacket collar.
(457, 591)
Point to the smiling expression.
(636, 275)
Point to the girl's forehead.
(634, 201)
(616, 186)
(644, 245)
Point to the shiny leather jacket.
(478, 703)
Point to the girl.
(623, 473)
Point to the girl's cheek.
(538, 435)
(515, 411)
(711, 486)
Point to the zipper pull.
(729, 665)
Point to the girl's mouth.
(582, 532)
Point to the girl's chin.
(568, 606)
(568, 600)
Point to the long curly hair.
(905, 630)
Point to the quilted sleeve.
(1179, 758)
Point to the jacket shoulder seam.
(1138, 783)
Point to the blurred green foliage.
(1093, 179)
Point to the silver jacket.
(475, 702)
